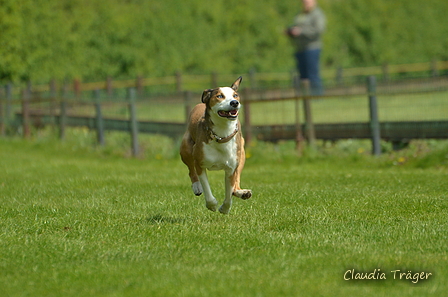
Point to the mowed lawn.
(76, 223)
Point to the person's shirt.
(312, 26)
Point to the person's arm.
(294, 31)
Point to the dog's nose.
(234, 103)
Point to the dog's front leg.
(210, 200)
(227, 204)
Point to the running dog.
(213, 141)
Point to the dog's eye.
(220, 96)
(235, 95)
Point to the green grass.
(88, 222)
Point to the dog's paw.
(224, 209)
(197, 188)
(211, 205)
(243, 194)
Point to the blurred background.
(43, 40)
(80, 62)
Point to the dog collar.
(223, 139)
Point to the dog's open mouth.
(228, 114)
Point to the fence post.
(99, 118)
(247, 120)
(309, 125)
(8, 108)
(26, 111)
(434, 70)
(187, 103)
(63, 113)
(298, 125)
(374, 122)
(77, 88)
(178, 81)
(339, 76)
(133, 122)
(53, 96)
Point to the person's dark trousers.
(308, 66)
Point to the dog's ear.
(206, 95)
(236, 84)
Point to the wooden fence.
(395, 131)
(398, 133)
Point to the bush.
(94, 39)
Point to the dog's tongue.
(224, 113)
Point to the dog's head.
(223, 101)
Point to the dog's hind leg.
(235, 180)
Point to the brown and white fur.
(213, 141)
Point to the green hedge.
(92, 39)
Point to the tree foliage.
(92, 39)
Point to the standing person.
(306, 34)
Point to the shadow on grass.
(159, 219)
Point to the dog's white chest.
(220, 156)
